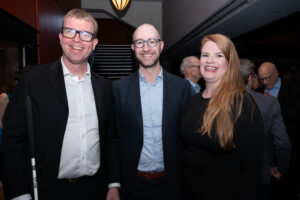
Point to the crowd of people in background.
(227, 130)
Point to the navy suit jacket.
(46, 87)
(176, 94)
(276, 141)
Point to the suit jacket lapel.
(98, 93)
(166, 99)
(135, 92)
(56, 79)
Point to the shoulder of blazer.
(264, 102)
(99, 78)
(32, 71)
(174, 79)
(52, 66)
(126, 80)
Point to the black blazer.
(46, 87)
(176, 94)
(285, 99)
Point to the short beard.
(147, 66)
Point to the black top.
(210, 172)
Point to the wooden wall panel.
(51, 14)
(114, 32)
(25, 10)
(50, 17)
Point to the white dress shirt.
(80, 154)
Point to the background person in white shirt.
(190, 68)
(74, 135)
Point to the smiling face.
(76, 51)
(213, 63)
(147, 56)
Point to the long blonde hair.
(225, 106)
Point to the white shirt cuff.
(111, 185)
(23, 197)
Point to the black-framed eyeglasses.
(253, 75)
(83, 35)
(266, 78)
(152, 42)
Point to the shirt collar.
(67, 72)
(191, 82)
(278, 83)
(276, 86)
(143, 78)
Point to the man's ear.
(276, 73)
(95, 43)
(60, 37)
(162, 44)
(250, 79)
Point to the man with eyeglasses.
(268, 76)
(73, 123)
(277, 147)
(288, 98)
(190, 68)
(149, 107)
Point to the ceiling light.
(120, 4)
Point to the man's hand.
(275, 173)
(113, 194)
(267, 93)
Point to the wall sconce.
(120, 4)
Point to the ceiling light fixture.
(120, 4)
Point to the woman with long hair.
(223, 130)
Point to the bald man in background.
(277, 146)
(288, 96)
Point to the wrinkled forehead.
(145, 32)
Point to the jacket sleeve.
(280, 139)
(113, 142)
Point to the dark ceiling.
(278, 42)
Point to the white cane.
(31, 144)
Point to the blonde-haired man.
(74, 136)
